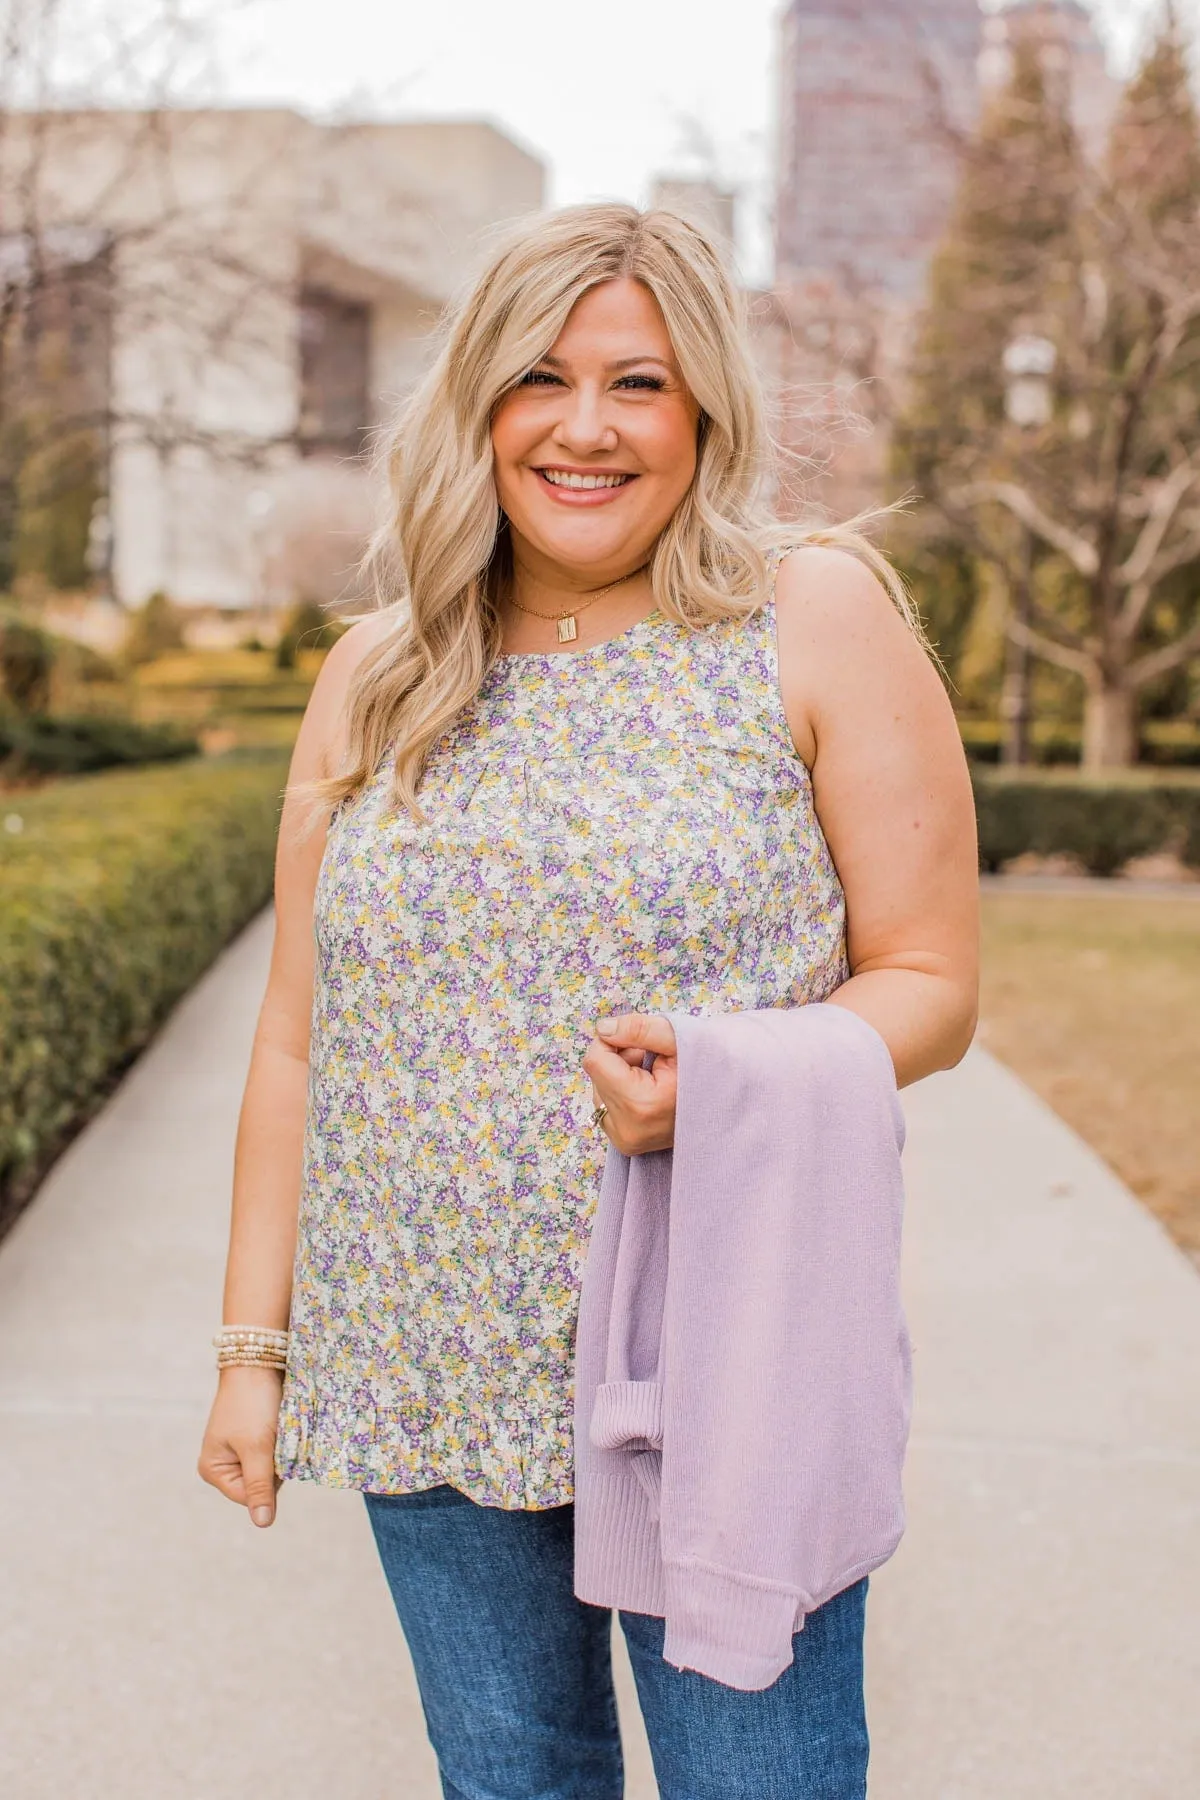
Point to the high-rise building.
(875, 94)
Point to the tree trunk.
(1014, 707)
(1014, 698)
(1109, 728)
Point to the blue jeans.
(516, 1678)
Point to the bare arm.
(238, 1450)
(871, 718)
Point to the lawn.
(232, 698)
(1096, 1004)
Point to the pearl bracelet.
(257, 1345)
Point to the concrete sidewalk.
(1037, 1636)
(1038, 1633)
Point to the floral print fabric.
(626, 827)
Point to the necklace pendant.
(567, 630)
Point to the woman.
(613, 753)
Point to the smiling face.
(596, 447)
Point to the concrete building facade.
(271, 285)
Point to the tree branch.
(1051, 628)
(1083, 556)
(1186, 551)
(978, 540)
(1078, 661)
(1167, 500)
(1162, 662)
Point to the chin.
(581, 547)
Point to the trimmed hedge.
(1049, 744)
(83, 743)
(118, 890)
(1103, 823)
(1163, 743)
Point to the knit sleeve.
(786, 1385)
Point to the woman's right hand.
(238, 1453)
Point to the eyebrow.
(624, 362)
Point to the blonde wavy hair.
(442, 546)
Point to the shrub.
(307, 627)
(80, 745)
(1171, 743)
(1104, 824)
(118, 891)
(1165, 744)
(26, 663)
(154, 630)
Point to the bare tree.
(1091, 512)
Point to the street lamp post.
(260, 505)
(1029, 365)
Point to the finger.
(221, 1466)
(643, 1031)
(614, 1072)
(259, 1484)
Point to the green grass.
(237, 697)
(1094, 1002)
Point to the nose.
(583, 427)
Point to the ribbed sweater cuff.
(727, 1629)
(627, 1413)
(618, 1560)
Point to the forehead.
(614, 321)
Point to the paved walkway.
(1037, 1637)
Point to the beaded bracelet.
(260, 1346)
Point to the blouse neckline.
(653, 617)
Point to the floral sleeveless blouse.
(624, 827)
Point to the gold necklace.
(567, 629)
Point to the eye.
(653, 384)
(539, 378)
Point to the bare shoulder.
(826, 594)
(845, 649)
(322, 735)
(363, 636)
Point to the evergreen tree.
(1154, 171)
(1006, 264)
(1154, 155)
(1006, 261)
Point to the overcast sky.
(608, 95)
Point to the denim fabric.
(516, 1678)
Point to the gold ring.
(598, 1115)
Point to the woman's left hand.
(641, 1102)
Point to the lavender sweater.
(743, 1367)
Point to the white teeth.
(560, 478)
